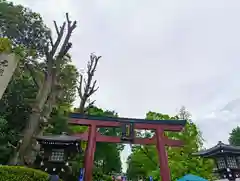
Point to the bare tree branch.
(51, 41)
(54, 45)
(56, 28)
(66, 45)
(58, 40)
(92, 89)
(79, 88)
(89, 88)
(85, 82)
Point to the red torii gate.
(159, 139)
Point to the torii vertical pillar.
(89, 157)
(162, 155)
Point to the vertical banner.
(8, 64)
(81, 176)
(150, 178)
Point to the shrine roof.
(131, 120)
(219, 149)
(57, 138)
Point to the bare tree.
(48, 82)
(86, 86)
(183, 113)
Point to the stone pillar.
(8, 64)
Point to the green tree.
(6, 135)
(181, 161)
(23, 27)
(47, 79)
(104, 163)
(234, 138)
(20, 92)
(41, 93)
(13, 105)
(110, 162)
(26, 29)
(27, 33)
(139, 164)
(16, 105)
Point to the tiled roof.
(57, 138)
(219, 148)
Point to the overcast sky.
(159, 55)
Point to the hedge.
(17, 173)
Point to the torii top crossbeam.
(100, 121)
(131, 120)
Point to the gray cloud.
(159, 55)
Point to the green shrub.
(16, 173)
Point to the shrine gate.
(128, 125)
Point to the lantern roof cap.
(58, 138)
(220, 148)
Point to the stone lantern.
(56, 152)
(227, 160)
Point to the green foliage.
(15, 109)
(182, 157)
(22, 26)
(143, 161)
(104, 163)
(6, 136)
(100, 176)
(5, 45)
(59, 116)
(15, 105)
(110, 162)
(234, 138)
(14, 173)
(11, 105)
(68, 78)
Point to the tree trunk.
(32, 149)
(82, 105)
(33, 122)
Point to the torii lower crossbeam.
(160, 140)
